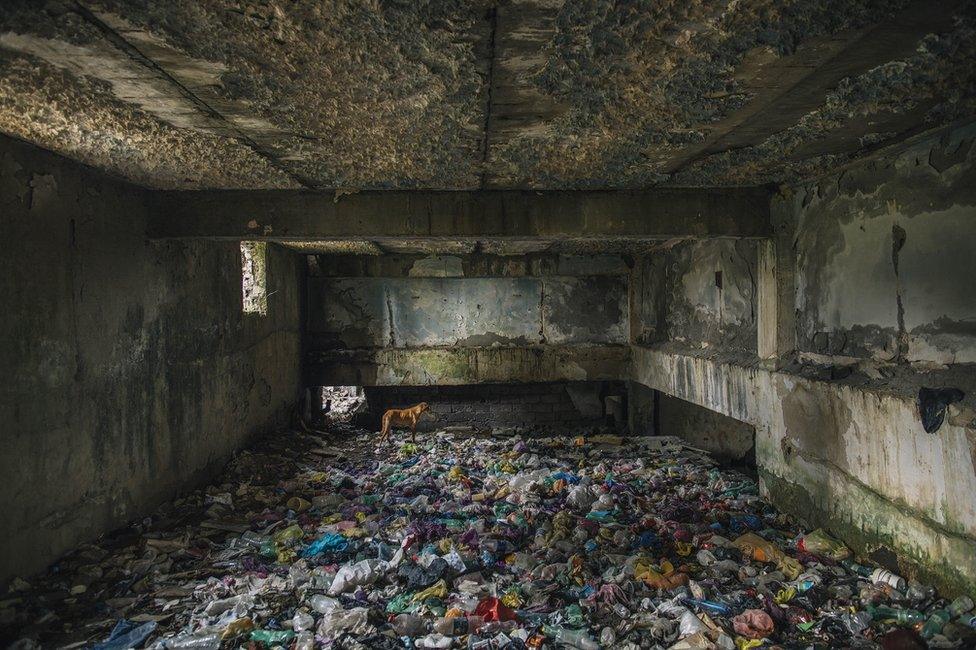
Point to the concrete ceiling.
(468, 94)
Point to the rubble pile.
(479, 542)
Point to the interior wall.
(131, 371)
(698, 293)
(884, 256)
(434, 319)
(727, 439)
(873, 270)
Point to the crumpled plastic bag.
(419, 577)
(492, 609)
(340, 621)
(350, 576)
(753, 624)
(126, 634)
(820, 543)
(433, 641)
(328, 543)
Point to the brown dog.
(402, 417)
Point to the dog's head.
(423, 406)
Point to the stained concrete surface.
(854, 460)
(132, 372)
(459, 95)
(884, 255)
(727, 439)
(468, 312)
(701, 293)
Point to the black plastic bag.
(932, 403)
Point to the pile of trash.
(477, 542)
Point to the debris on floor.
(463, 541)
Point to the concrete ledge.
(856, 460)
(460, 365)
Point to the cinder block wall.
(527, 406)
(130, 371)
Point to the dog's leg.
(385, 433)
(413, 431)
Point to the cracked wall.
(884, 254)
(134, 372)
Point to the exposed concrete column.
(766, 300)
(783, 218)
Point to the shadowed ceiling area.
(460, 95)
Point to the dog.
(402, 417)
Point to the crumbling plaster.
(884, 253)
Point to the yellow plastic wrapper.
(764, 551)
(354, 533)
(298, 504)
(239, 626)
(360, 517)
(286, 556)
(437, 590)
(785, 595)
(743, 643)
(683, 549)
(288, 536)
(512, 599)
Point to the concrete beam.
(296, 216)
(461, 366)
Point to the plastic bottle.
(494, 628)
(272, 637)
(936, 622)
(578, 639)
(940, 617)
(458, 625)
(193, 642)
(888, 578)
(904, 616)
(960, 606)
(859, 569)
(409, 625)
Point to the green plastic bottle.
(272, 637)
(941, 617)
(903, 616)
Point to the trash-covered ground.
(465, 541)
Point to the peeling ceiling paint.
(457, 94)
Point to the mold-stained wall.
(698, 293)
(130, 371)
(535, 308)
(885, 255)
